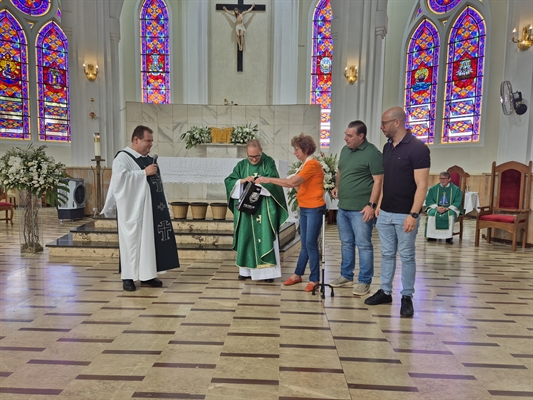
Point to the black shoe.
(449, 240)
(153, 282)
(128, 285)
(243, 278)
(431, 240)
(269, 280)
(406, 309)
(380, 297)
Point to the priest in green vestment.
(255, 237)
(443, 203)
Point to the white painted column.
(93, 30)
(285, 51)
(196, 55)
(358, 31)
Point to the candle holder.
(99, 182)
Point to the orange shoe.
(292, 281)
(310, 286)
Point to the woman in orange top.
(309, 180)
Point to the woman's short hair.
(305, 143)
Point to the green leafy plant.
(32, 170)
(329, 165)
(242, 134)
(196, 135)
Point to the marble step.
(67, 247)
(209, 235)
(179, 225)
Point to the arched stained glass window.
(321, 64)
(464, 79)
(421, 80)
(442, 6)
(53, 84)
(155, 52)
(34, 8)
(14, 96)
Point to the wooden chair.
(510, 192)
(7, 207)
(458, 177)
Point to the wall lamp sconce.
(91, 71)
(526, 40)
(351, 74)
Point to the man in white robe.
(146, 239)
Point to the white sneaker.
(361, 289)
(341, 281)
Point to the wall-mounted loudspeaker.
(73, 208)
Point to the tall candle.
(97, 149)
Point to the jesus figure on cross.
(240, 30)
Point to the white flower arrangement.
(242, 134)
(329, 165)
(196, 135)
(32, 170)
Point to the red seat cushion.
(5, 204)
(499, 218)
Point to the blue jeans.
(393, 240)
(353, 231)
(310, 225)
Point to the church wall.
(473, 158)
(252, 85)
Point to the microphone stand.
(322, 285)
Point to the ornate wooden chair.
(510, 192)
(458, 177)
(7, 207)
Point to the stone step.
(66, 247)
(92, 232)
(179, 225)
(196, 239)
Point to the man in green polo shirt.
(358, 187)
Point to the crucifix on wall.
(239, 10)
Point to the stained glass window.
(442, 6)
(321, 63)
(14, 96)
(155, 52)
(421, 80)
(53, 84)
(32, 7)
(464, 79)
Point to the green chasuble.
(449, 197)
(254, 234)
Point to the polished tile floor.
(69, 331)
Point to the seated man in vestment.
(146, 238)
(255, 237)
(443, 203)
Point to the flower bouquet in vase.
(35, 175)
(329, 164)
(243, 134)
(196, 135)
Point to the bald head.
(394, 113)
(393, 124)
(254, 143)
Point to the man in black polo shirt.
(406, 163)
